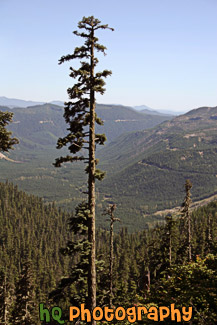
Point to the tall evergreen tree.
(5, 297)
(81, 116)
(6, 141)
(110, 212)
(170, 238)
(187, 215)
(79, 248)
(25, 307)
(209, 234)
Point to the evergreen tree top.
(6, 141)
(82, 94)
(90, 24)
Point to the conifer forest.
(138, 247)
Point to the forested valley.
(144, 271)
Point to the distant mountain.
(13, 102)
(120, 119)
(43, 124)
(146, 109)
(152, 112)
(147, 169)
(57, 102)
(143, 107)
(38, 128)
(165, 111)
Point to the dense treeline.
(149, 267)
(30, 232)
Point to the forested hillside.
(39, 126)
(31, 234)
(30, 231)
(146, 169)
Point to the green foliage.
(78, 110)
(193, 285)
(141, 271)
(6, 141)
(146, 170)
(149, 167)
(6, 294)
(24, 305)
(78, 249)
(42, 125)
(38, 129)
(29, 227)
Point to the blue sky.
(163, 53)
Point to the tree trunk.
(209, 236)
(5, 302)
(170, 249)
(189, 235)
(91, 194)
(111, 263)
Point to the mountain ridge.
(14, 102)
(147, 169)
(49, 118)
(145, 108)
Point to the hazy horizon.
(58, 102)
